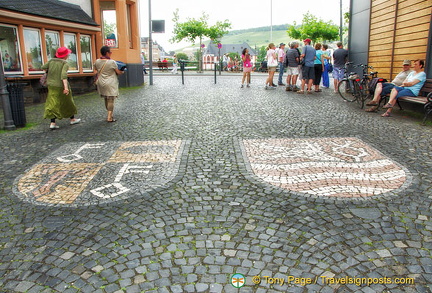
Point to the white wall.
(86, 5)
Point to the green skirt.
(59, 105)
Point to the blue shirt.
(318, 57)
(310, 53)
(411, 77)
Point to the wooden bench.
(424, 98)
(162, 65)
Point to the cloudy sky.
(242, 14)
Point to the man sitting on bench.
(383, 89)
(410, 87)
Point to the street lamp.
(150, 46)
(340, 27)
(271, 21)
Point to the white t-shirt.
(270, 58)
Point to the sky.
(242, 14)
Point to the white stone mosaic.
(334, 167)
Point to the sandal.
(386, 115)
(113, 120)
(309, 92)
(318, 91)
(388, 106)
(373, 109)
(372, 104)
(300, 92)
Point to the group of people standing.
(311, 65)
(60, 103)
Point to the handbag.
(43, 80)
(96, 78)
(330, 67)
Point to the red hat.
(307, 40)
(62, 52)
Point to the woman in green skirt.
(59, 103)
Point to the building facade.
(31, 32)
(383, 33)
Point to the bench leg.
(428, 110)
(400, 107)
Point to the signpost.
(220, 61)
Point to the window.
(33, 51)
(129, 26)
(109, 19)
(71, 44)
(86, 57)
(52, 41)
(9, 49)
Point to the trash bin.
(16, 99)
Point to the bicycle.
(353, 88)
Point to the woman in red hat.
(59, 103)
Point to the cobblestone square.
(207, 187)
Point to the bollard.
(182, 68)
(215, 70)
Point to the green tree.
(182, 56)
(194, 29)
(262, 54)
(315, 29)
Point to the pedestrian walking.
(272, 63)
(247, 67)
(175, 65)
(143, 62)
(59, 103)
(107, 82)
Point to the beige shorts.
(292, 71)
(272, 68)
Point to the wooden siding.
(399, 30)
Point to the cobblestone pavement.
(207, 187)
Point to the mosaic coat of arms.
(330, 167)
(92, 173)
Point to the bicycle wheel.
(346, 90)
(363, 93)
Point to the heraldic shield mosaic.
(326, 167)
(93, 173)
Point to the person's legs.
(317, 78)
(377, 93)
(272, 76)
(393, 94)
(311, 77)
(281, 72)
(109, 105)
(288, 82)
(248, 78)
(294, 83)
(325, 76)
(310, 83)
(305, 77)
(338, 75)
(243, 78)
